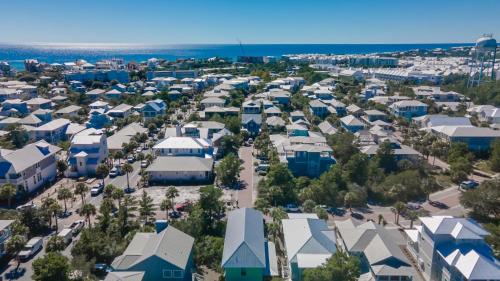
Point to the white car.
(144, 163)
(96, 190)
(76, 227)
(138, 150)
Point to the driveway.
(246, 195)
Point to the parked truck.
(66, 234)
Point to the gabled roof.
(170, 245)
(468, 260)
(350, 120)
(453, 226)
(308, 236)
(125, 276)
(327, 128)
(68, 109)
(181, 164)
(27, 156)
(244, 243)
(182, 142)
(375, 242)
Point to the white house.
(183, 146)
(166, 169)
(88, 149)
(30, 167)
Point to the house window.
(167, 273)
(243, 272)
(178, 274)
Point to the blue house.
(247, 255)
(309, 160)
(352, 124)
(252, 123)
(297, 130)
(318, 108)
(154, 108)
(98, 119)
(476, 138)
(251, 107)
(280, 96)
(165, 255)
(5, 234)
(43, 114)
(15, 105)
(373, 115)
(408, 109)
(340, 107)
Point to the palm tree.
(171, 193)
(55, 244)
(399, 207)
(278, 214)
(55, 209)
(380, 218)
(102, 172)
(88, 210)
(14, 245)
(149, 158)
(273, 230)
(81, 189)
(64, 194)
(166, 205)
(119, 155)
(7, 192)
(127, 169)
(118, 195)
(108, 190)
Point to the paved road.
(248, 193)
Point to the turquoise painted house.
(167, 255)
(98, 119)
(247, 255)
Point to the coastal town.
(370, 167)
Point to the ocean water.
(51, 53)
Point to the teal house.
(247, 255)
(167, 255)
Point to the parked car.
(144, 163)
(129, 190)
(174, 215)
(138, 150)
(26, 206)
(96, 190)
(469, 184)
(131, 158)
(181, 207)
(292, 208)
(67, 235)
(101, 269)
(115, 171)
(413, 206)
(31, 248)
(262, 167)
(76, 227)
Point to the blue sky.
(251, 21)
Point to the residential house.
(88, 149)
(449, 248)
(377, 249)
(275, 122)
(476, 138)
(309, 243)
(251, 123)
(280, 97)
(354, 110)
(251, 107)
(116, 141)
(154, 108)
(399, 151)
(318, 108)
(212, 101)
(43, 114)
(31, 120)
(98, 119)
(247, 254)
(68, 111)
(30, 167)
(120, 111)
(95, 94)
(53, 131)
(408, 109)
(339, 108)
(165, 255)
(434, 120)
(372, 115)
(351, 124)
(272, 111)
(180, 170)
(308, 160)
(326, 128)
(294, 130)
(184, 146)
(297, 115)
(99, 105)
(14, 107)
(39, 103)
